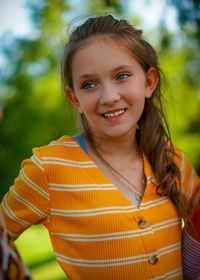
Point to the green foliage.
(180, 63)
(34, 108)
(41, 263)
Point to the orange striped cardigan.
(96, 232)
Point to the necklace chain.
(138, 196)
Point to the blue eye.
(122, 76)
(88, 85)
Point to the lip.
(115, 118)
(113, 111)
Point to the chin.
(118, 133)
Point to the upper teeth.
(111, 115)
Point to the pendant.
(138, 197)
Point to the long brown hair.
(153, 136)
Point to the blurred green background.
(33, 111)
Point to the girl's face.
(110, 87)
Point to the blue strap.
(81, 142)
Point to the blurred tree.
(34, 111)
(184, 74)
(189, 14)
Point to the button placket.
(143, 223)
(153, 258)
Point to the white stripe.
(171, 248)
(172, 276)
(91, 210)
(151, 179)
(154, 205)
(115, 262)
(66, 160)
(166, 226)
(77, 186)
(60, 212)
(154, 201)
(182, 168)
(69, 164)
(105, 261)
(27, 203)
(34, 158)
(33, 185)
(40, 162)
(13, 235)
(114, 235)
(97, 235)
(172, 221)
(166, 222)
(12, 215)
(191, 184)
(64, 143)
(92, 214)
(65, 187)
(61, 161)
(100, 265)
(178, 270)
(109, 238)
(82, 189)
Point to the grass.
(36, 250)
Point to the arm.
(191, 246)
(191, 238)
(191, 257)
(27, 201)
(11, 264)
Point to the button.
(153, 259)
(143, 223)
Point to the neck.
(114, 147)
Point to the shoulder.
(65, 148)
(190, 181)
(57, 147)
(183, 163)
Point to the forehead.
(99, 54)
(104, 40)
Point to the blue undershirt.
(81, 142)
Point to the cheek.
(88, 103)
(136, 97)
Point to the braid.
(153, 138)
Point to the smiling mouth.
(113, 114)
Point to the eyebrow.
(118, 68)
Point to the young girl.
(112, 197)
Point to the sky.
(14, 16)
(151, 11)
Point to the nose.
(109, 94)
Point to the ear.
(152, 79)
(73, 99)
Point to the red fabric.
(196, 221)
